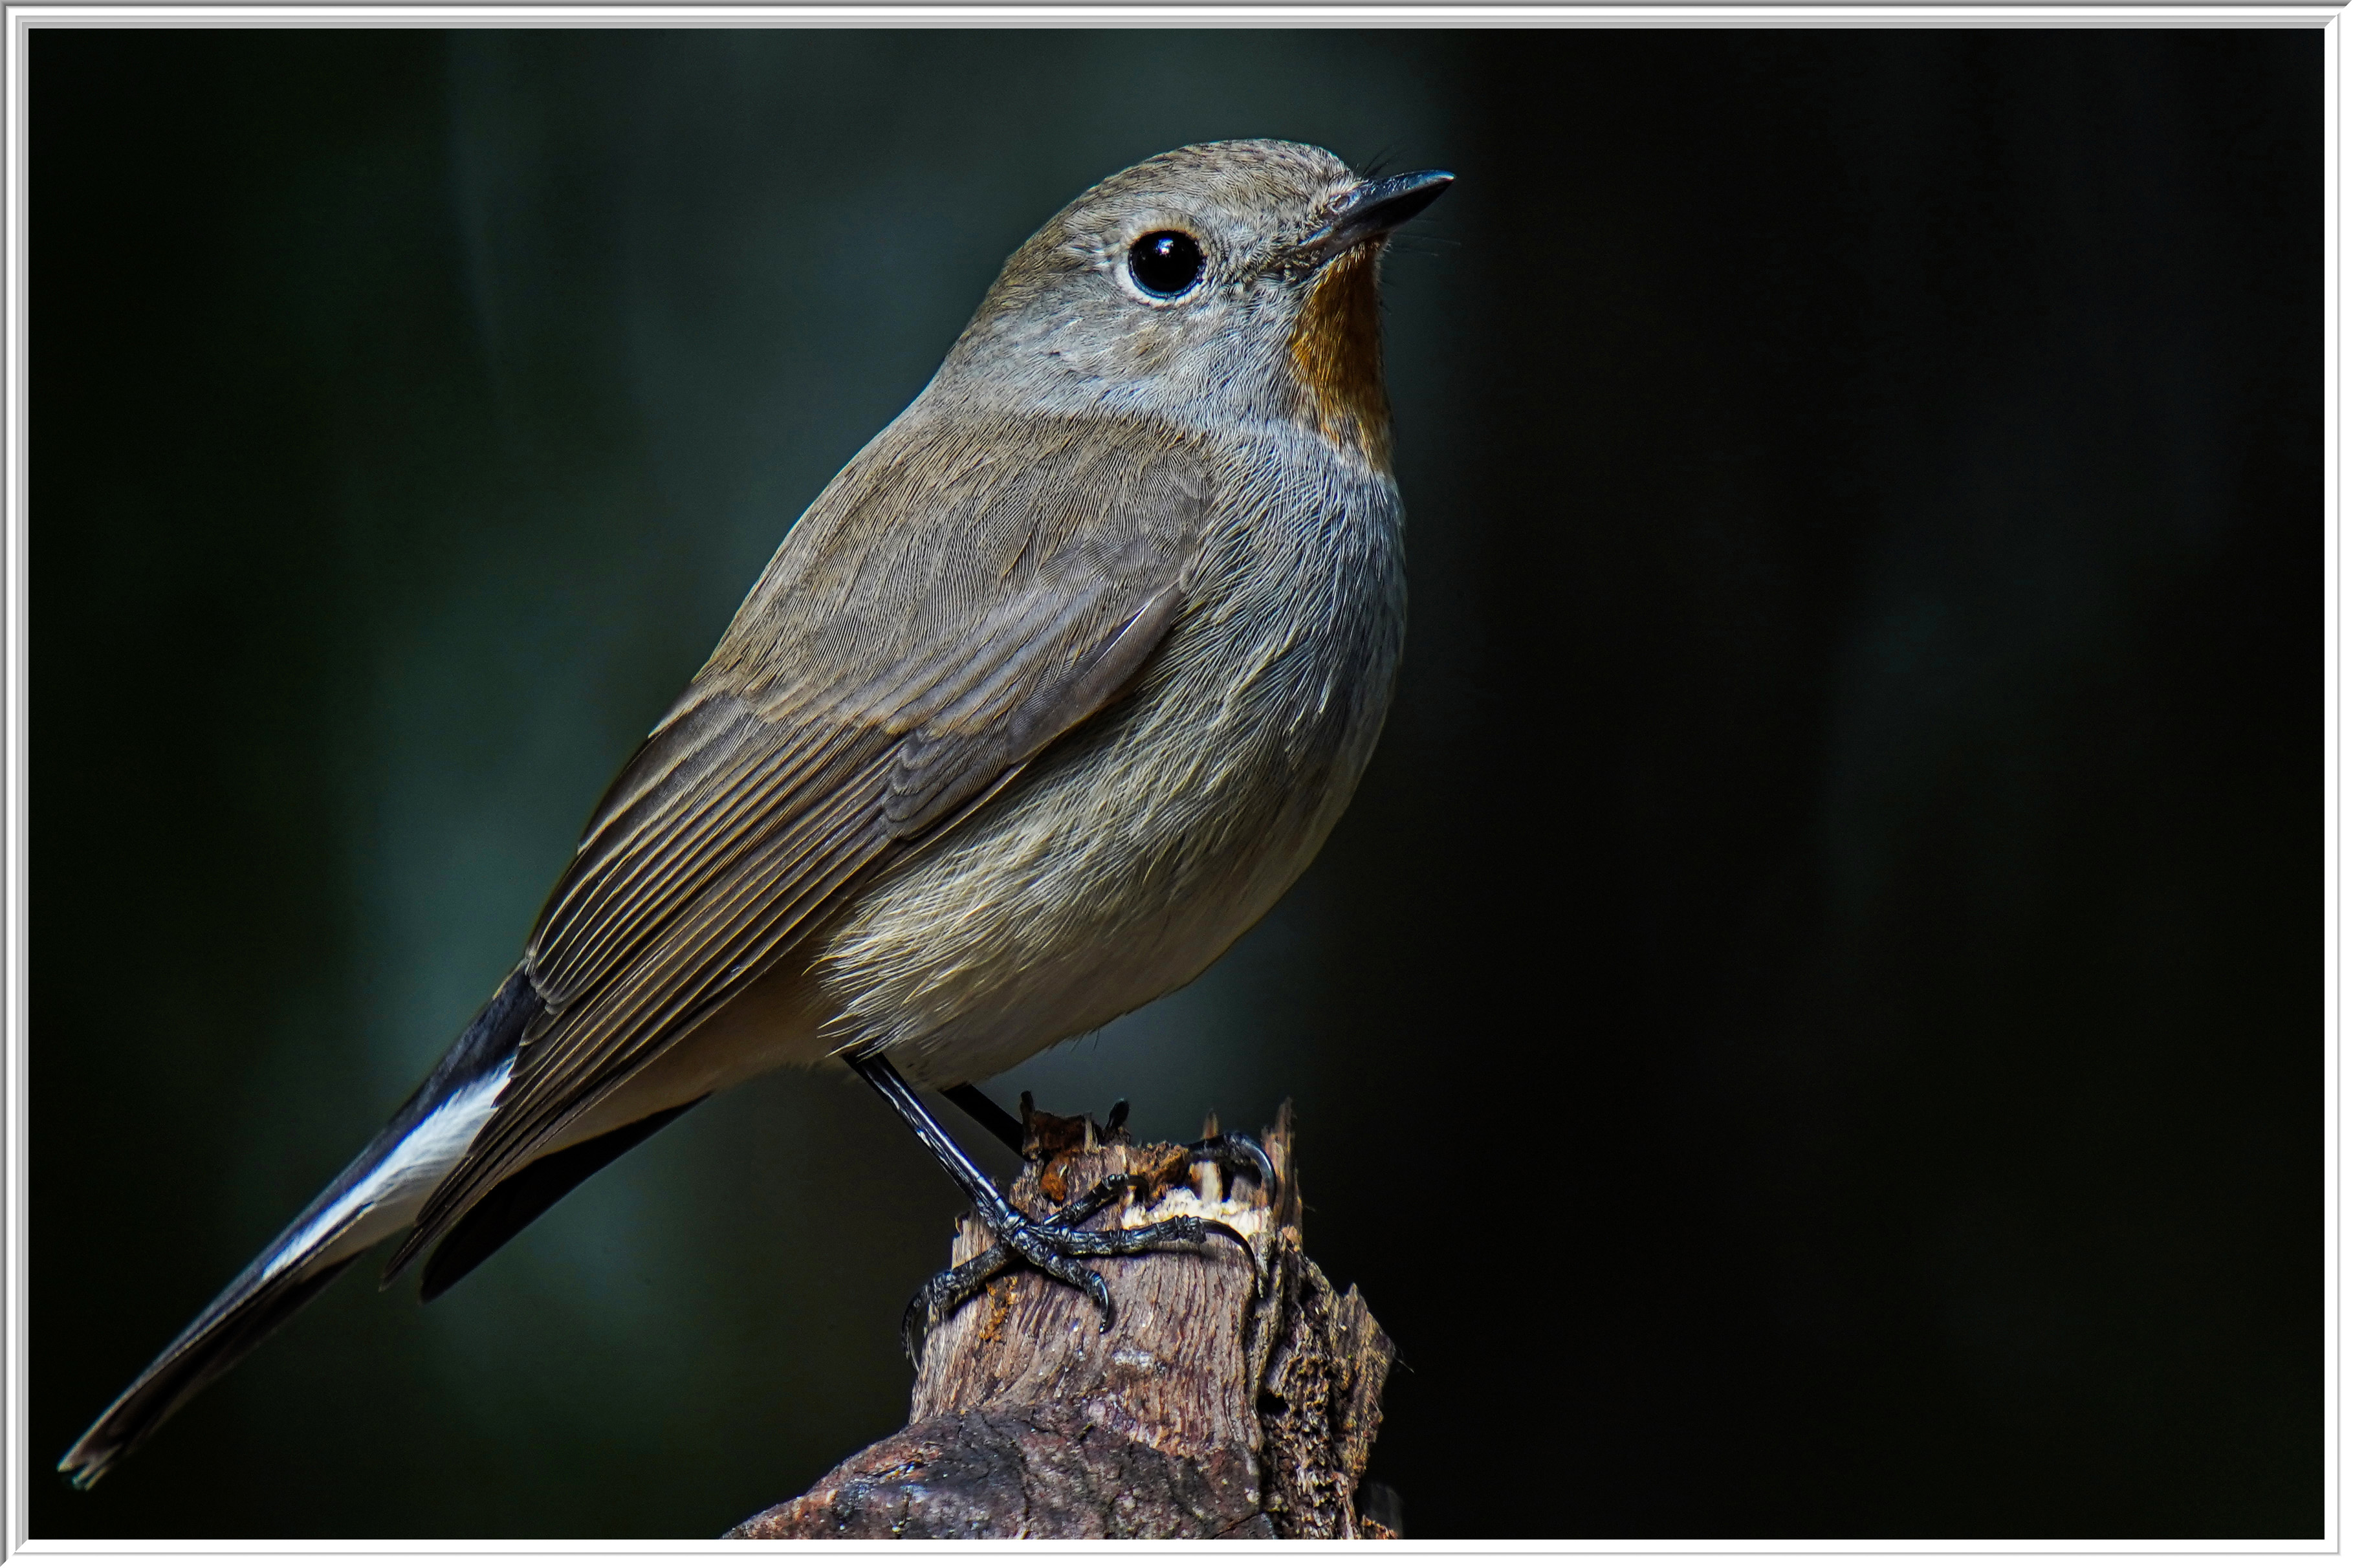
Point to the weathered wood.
(1227, 1400)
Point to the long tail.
(377, 1194)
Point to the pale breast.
(1136, 851)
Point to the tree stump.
(1212, 1408)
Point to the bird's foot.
(1053, 1246)
(1235, 1153)
(1042, 1136)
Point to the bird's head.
(1226, 280)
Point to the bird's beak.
(1374, 208)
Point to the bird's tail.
(377, 1194)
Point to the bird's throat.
(1335, 347)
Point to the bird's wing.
(958, 598)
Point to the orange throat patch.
(1335, 347)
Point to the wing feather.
(958, 599)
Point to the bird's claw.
(1052, 1246)
(1238, 1152)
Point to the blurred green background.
(1812, 1026)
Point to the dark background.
(1812, 1026)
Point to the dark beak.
(1376, 207)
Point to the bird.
(1048, 697)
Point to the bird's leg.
(1052, 1245)
(1000, 1124)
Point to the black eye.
(1167, 263)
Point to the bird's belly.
(980, 1019)
(967, 970)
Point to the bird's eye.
(1165, 263)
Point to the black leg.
(999, 1123)
(885, 1081)
(1052, 1245)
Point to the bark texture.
(1234, 1397)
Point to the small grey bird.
(1057, 686)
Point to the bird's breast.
(1135, 851)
